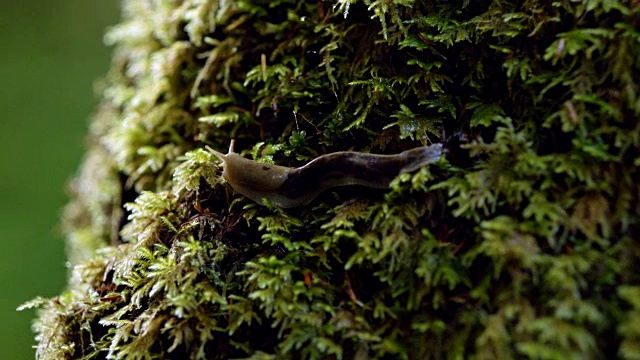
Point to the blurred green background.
(51, 53)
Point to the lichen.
(521, 243)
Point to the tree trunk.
(521, 241)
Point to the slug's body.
(289, 187)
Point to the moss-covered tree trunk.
(523, 241)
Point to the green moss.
(521, 243)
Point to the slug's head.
(226, 159)
(250, 178)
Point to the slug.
(290, 187)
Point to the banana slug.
(290, 187)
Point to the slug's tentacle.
(290, 187)
(220, 155)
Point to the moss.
(521, 243)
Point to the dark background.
(51, 53)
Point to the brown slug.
(289, 187)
